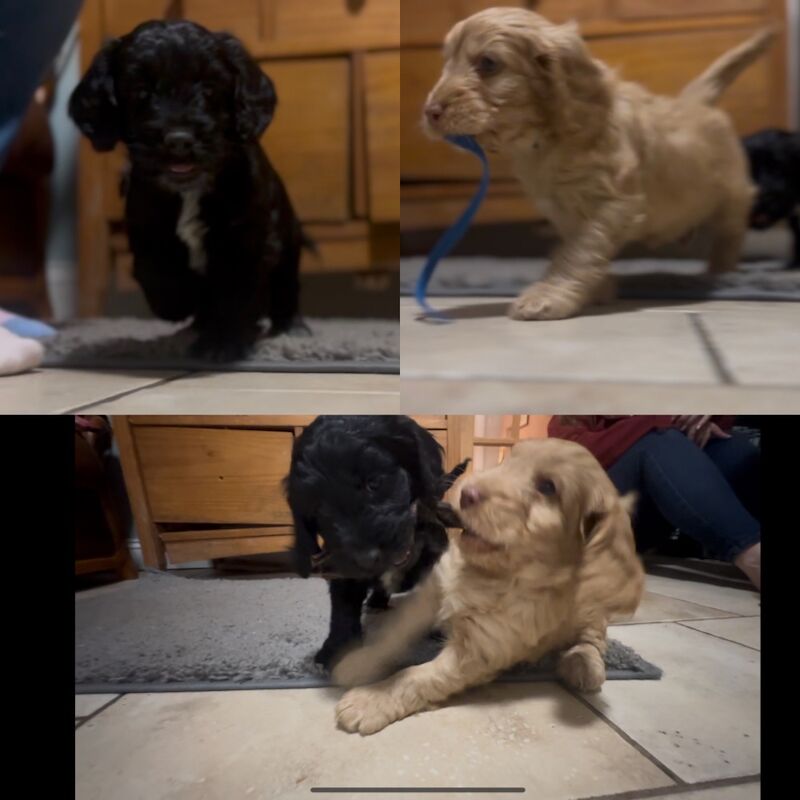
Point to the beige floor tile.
(742, 630)
(703, 718)
(758, 348)
(56, 391)
(735, 601)
(86, 704)
(741, 791)
(264, 393)
(281, 743)
(430, 395)
(661, 608)
(626, 345)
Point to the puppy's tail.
(708, 87)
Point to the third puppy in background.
(606, 161)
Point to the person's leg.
(649, 526)
(690, 492)
(738, 459)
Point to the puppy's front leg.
(582, 666)
(578, 273)
(369, 709)
(402, 627)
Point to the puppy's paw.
(219, 350)
(297, 326)
(358, 667)
(366, 710)
(582, 668)
(545, 301)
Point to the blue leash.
(454, 233)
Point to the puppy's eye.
(487, 65)
(373, 484)
(545, 486)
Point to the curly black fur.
(369, 486)
(775, 167)
(190, 106)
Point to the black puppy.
(211, 227)
(369, 487)
(775, 167)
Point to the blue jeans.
(710, 495)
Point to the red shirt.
(607, 438)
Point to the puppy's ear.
(580, 92)
(418, 453)
(611, 580)
(605, 513)
(254, 93)
(305, 545)
(93, 104)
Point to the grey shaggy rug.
(638, 278)
(167, 633)
(335, 345)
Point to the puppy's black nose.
(434, 111)
(179, 143)
(470, 496)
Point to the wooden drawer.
(332, 25)
(422, 158)
(205, 475)
(654, 9)
(425, 22)
(352, 24)
(122, 16)
(308, 141)
(665, 63)
(382, 98)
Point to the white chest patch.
(191, 231)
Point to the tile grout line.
(724, 374)
(684, 624)
(630, 740)
(83, 720)
(124, 393)
(713, 608)
(666, 791)
(682, 619)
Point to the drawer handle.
(355, 6)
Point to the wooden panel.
(214, 476)
(240, 17)
(427, 21)
(220, 420)
(122, 16)
(204, 534)
(308, 141)
(351, 24)
(431, 421)
(422, 158)
(640, 9)
(181, 552)
(665, 63)
(152, 547)
(382, 98)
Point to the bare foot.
(749, 562)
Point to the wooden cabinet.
(661, 45)
(204, 487)
(334, 138)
